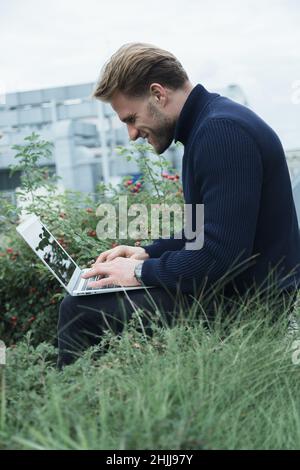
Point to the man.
(233, 163)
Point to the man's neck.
(180, 97)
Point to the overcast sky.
(255, 43)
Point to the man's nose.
(133, 132)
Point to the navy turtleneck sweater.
(234, 164)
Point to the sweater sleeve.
(228, 167)
(158, 247)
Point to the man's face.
(144, 118)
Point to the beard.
(164, 130)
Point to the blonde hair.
(134, 67)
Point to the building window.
(7, 182)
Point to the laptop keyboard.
(93, 279)
(87, 281)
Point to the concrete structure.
(293, 160)
(84, 131)
(296, 194)
(235, 93)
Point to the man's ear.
(158, 92)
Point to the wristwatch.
(138, 272)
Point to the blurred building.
(85, 133)
(235, 93)
(76, 124)
(293, 160)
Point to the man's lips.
(146, 136)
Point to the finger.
(98, 269)
(107, 281)
(102, 257)
(115, 254)
(107, 262)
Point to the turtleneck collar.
(196, 101)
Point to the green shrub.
(29, 295)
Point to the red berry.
(9, 250)
(89, 210)
(135, 189)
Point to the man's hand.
(135, 252)
(119, 271)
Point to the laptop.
(59, 262)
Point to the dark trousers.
(83, 319)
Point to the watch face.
(138, 271)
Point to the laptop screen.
(48, 249)
(52, 253)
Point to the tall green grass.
(226, 385)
